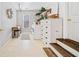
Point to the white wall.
(38, 5)
(63, 16)
(6, 23)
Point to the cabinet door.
(73, 23)
(56, 29)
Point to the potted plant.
(40, 14)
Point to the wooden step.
(61, 50)
(49, 52)
(71, 43)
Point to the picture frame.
(9, 13)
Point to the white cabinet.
(36, 33)
(50, 30)
(56, 29)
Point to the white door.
(73, 23)
(26, 23)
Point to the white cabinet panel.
(56, 29)
(73, 24)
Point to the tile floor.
(23, 48)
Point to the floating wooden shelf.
(71, 43)
(50, 14)
(49, 52)
(61, 50)
(53, 16)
